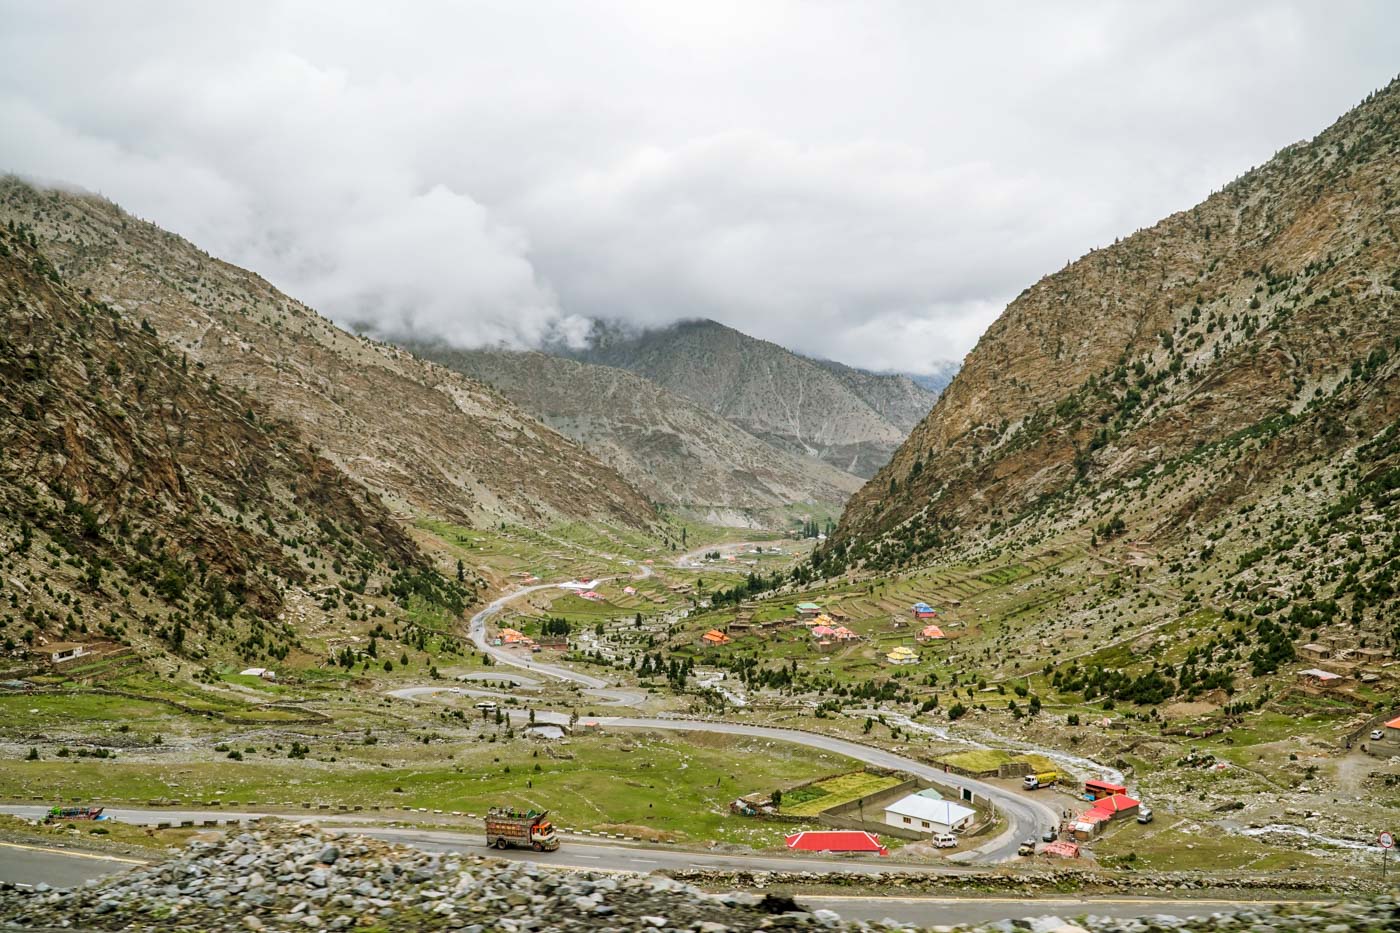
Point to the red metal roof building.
(1098, 790)
(836, 841)
(1061, 850)
(1118, 803)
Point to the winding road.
(1025, 817)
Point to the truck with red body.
(507, 826)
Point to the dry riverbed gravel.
(297, 878)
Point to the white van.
(945, 841)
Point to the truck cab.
(1039, 779)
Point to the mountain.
(678, 452)
(146, 502)
(426, 439)
(850, 419)
(1219, 391)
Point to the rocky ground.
(299, 877)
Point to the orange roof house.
(715, 637)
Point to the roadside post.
(1387, 842)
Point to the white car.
(946, 841)
(1377, 735)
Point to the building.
(929, 633)
(1317, 677)
(902, 654)
(924, 611)
(1089, 824)
(828, 840)
(808, 610)
(1098, 790)
(1316, 651)
(261, 672)
(61, 651)
(841, 633)
(1118, 805)
(714, 638)
(1061, 850)
(926, 815)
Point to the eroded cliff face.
(1268, 311)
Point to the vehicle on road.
(1377, 735)
(1039, 779)
(1027, 847)
(73, 813)
(507, 827)
(1144, 815)
(945, 841)
(1050, 835)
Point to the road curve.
(1026, 818)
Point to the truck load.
(1040, 779)
(507, 826)
(73, 813)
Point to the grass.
(673, 785)
(834, 791)
(982, 760)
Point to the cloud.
(865, 182)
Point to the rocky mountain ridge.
(145, 503)
(849, 418)
(679, 453)
(424, 438)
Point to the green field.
(833, 791)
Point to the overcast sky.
(866, 181)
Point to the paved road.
(59, 868)
(1026, 818)
(63, 868)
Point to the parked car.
(1027, 847)
(1144, 815)
(1050, 835)
(1377, 735)
(946, 841)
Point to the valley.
(1114, 612)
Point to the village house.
(61, 651)
(1318, 678)
(1316, 651)
(714, 638)
(924, 611)
(929, 633)
(928, 815)
(808, 610)
(902, 654)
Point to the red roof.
(1105, 785)
(836, 841)
(1118, 803)
(1095, 815)
(1061, 850)
(1394, 723)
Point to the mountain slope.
(143, 502)
(426, 439)
(1271, 307)
(899, 399)
(678, 452)
(793, 403)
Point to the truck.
(73, 813)
(507, 826)
(1039, 779)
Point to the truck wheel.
(538, 847)
(501, 842)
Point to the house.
(1392, 730)
(924, 611)
(925, 815)
(902, 654)
(1098, 790)
(808, 610)
(929, 633)
(262, 672)
(1118, 805)
(1089, 824)
(822, 631)
(60, 651)
(630, 590)
(1316, 651)
(841, 633)
(829, 840)
(1317, 677)
(714, 638)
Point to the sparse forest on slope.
(426, 439)
(850, 419)
(679, 453)
(144, 503)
